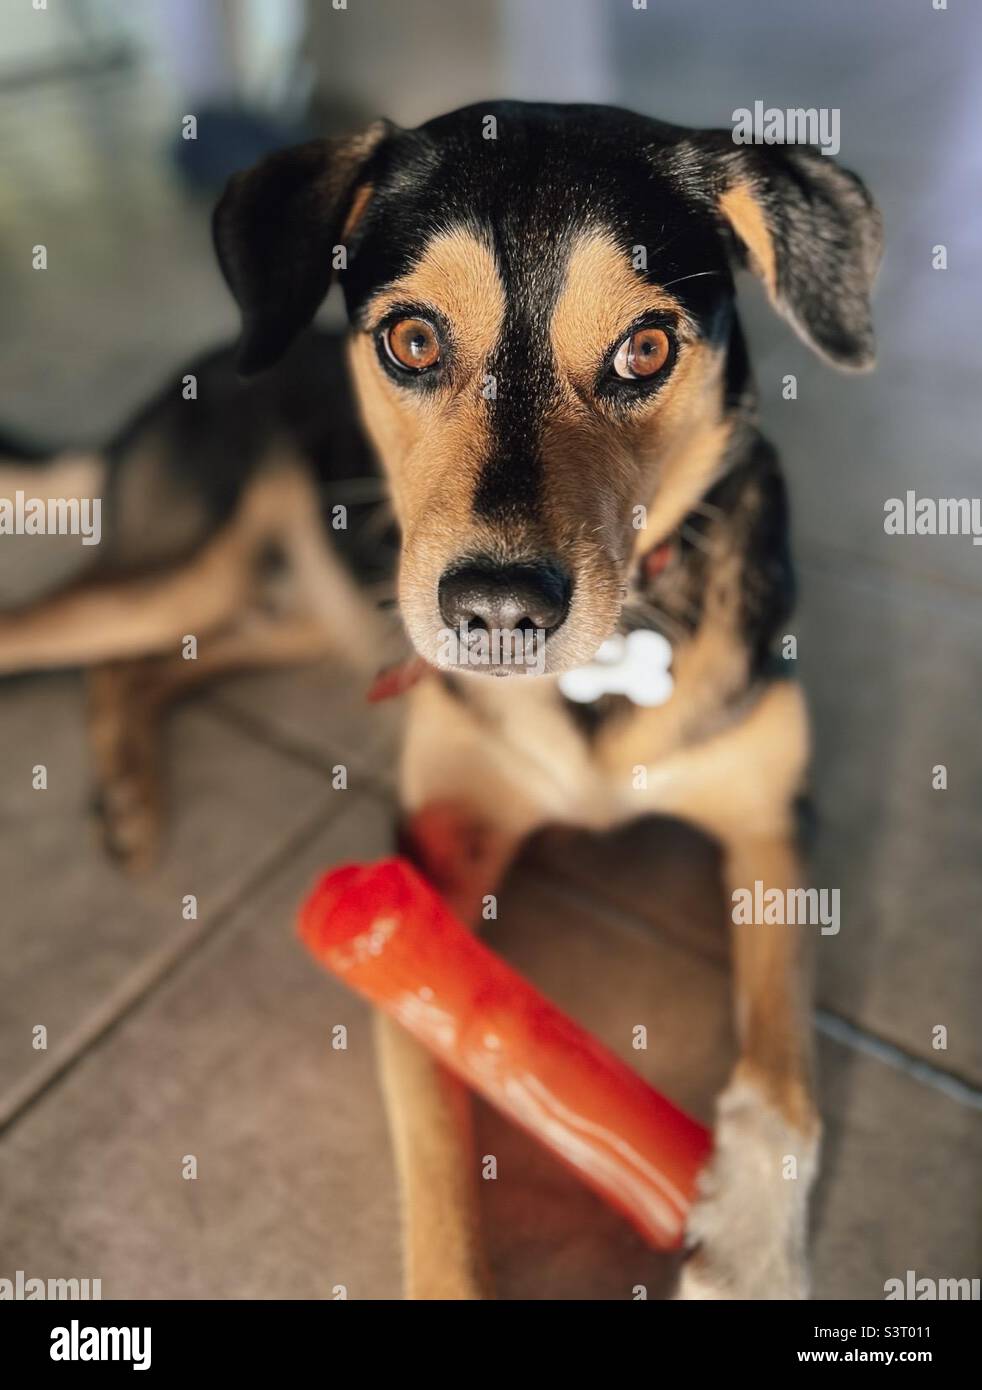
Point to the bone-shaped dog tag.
(635, 666)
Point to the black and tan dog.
(547, 363)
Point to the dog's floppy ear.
(275, 229)
(812, 233)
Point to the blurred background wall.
(92, 92)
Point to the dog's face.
(543, 338)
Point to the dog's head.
(543, 337)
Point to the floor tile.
(893, 680)
(899, 1186)
(231, 1061)
(319, 712)
(80, 939)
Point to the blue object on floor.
(229, 139)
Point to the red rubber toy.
(388, 934)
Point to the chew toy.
(388, 934)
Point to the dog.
(545, 365)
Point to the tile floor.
(169, 1037)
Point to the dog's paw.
(748, 1227)
(124, 734)
(129, 817)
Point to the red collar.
(656, 560)
(397, 679)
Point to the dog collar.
(657, 559)
(397, 679)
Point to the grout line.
(849, 1034)
(144, 983)
(871, 571)
(625, 920)
(833, 1025)
(297, 750)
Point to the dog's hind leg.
(105, 620)
(108, 619)
(131, 631)
(31, 566)
(127, 705)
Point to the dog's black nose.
(483, 595)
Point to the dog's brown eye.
(412, 344)
(643, 354)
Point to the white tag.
(635, 666)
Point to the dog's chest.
(583, 755)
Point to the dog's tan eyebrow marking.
(457, 274)
(743, 212)
(601, 297)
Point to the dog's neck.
(706, 495)
(737, 531)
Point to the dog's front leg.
(430, 1122)
(429, 1109)
(749, 1226)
